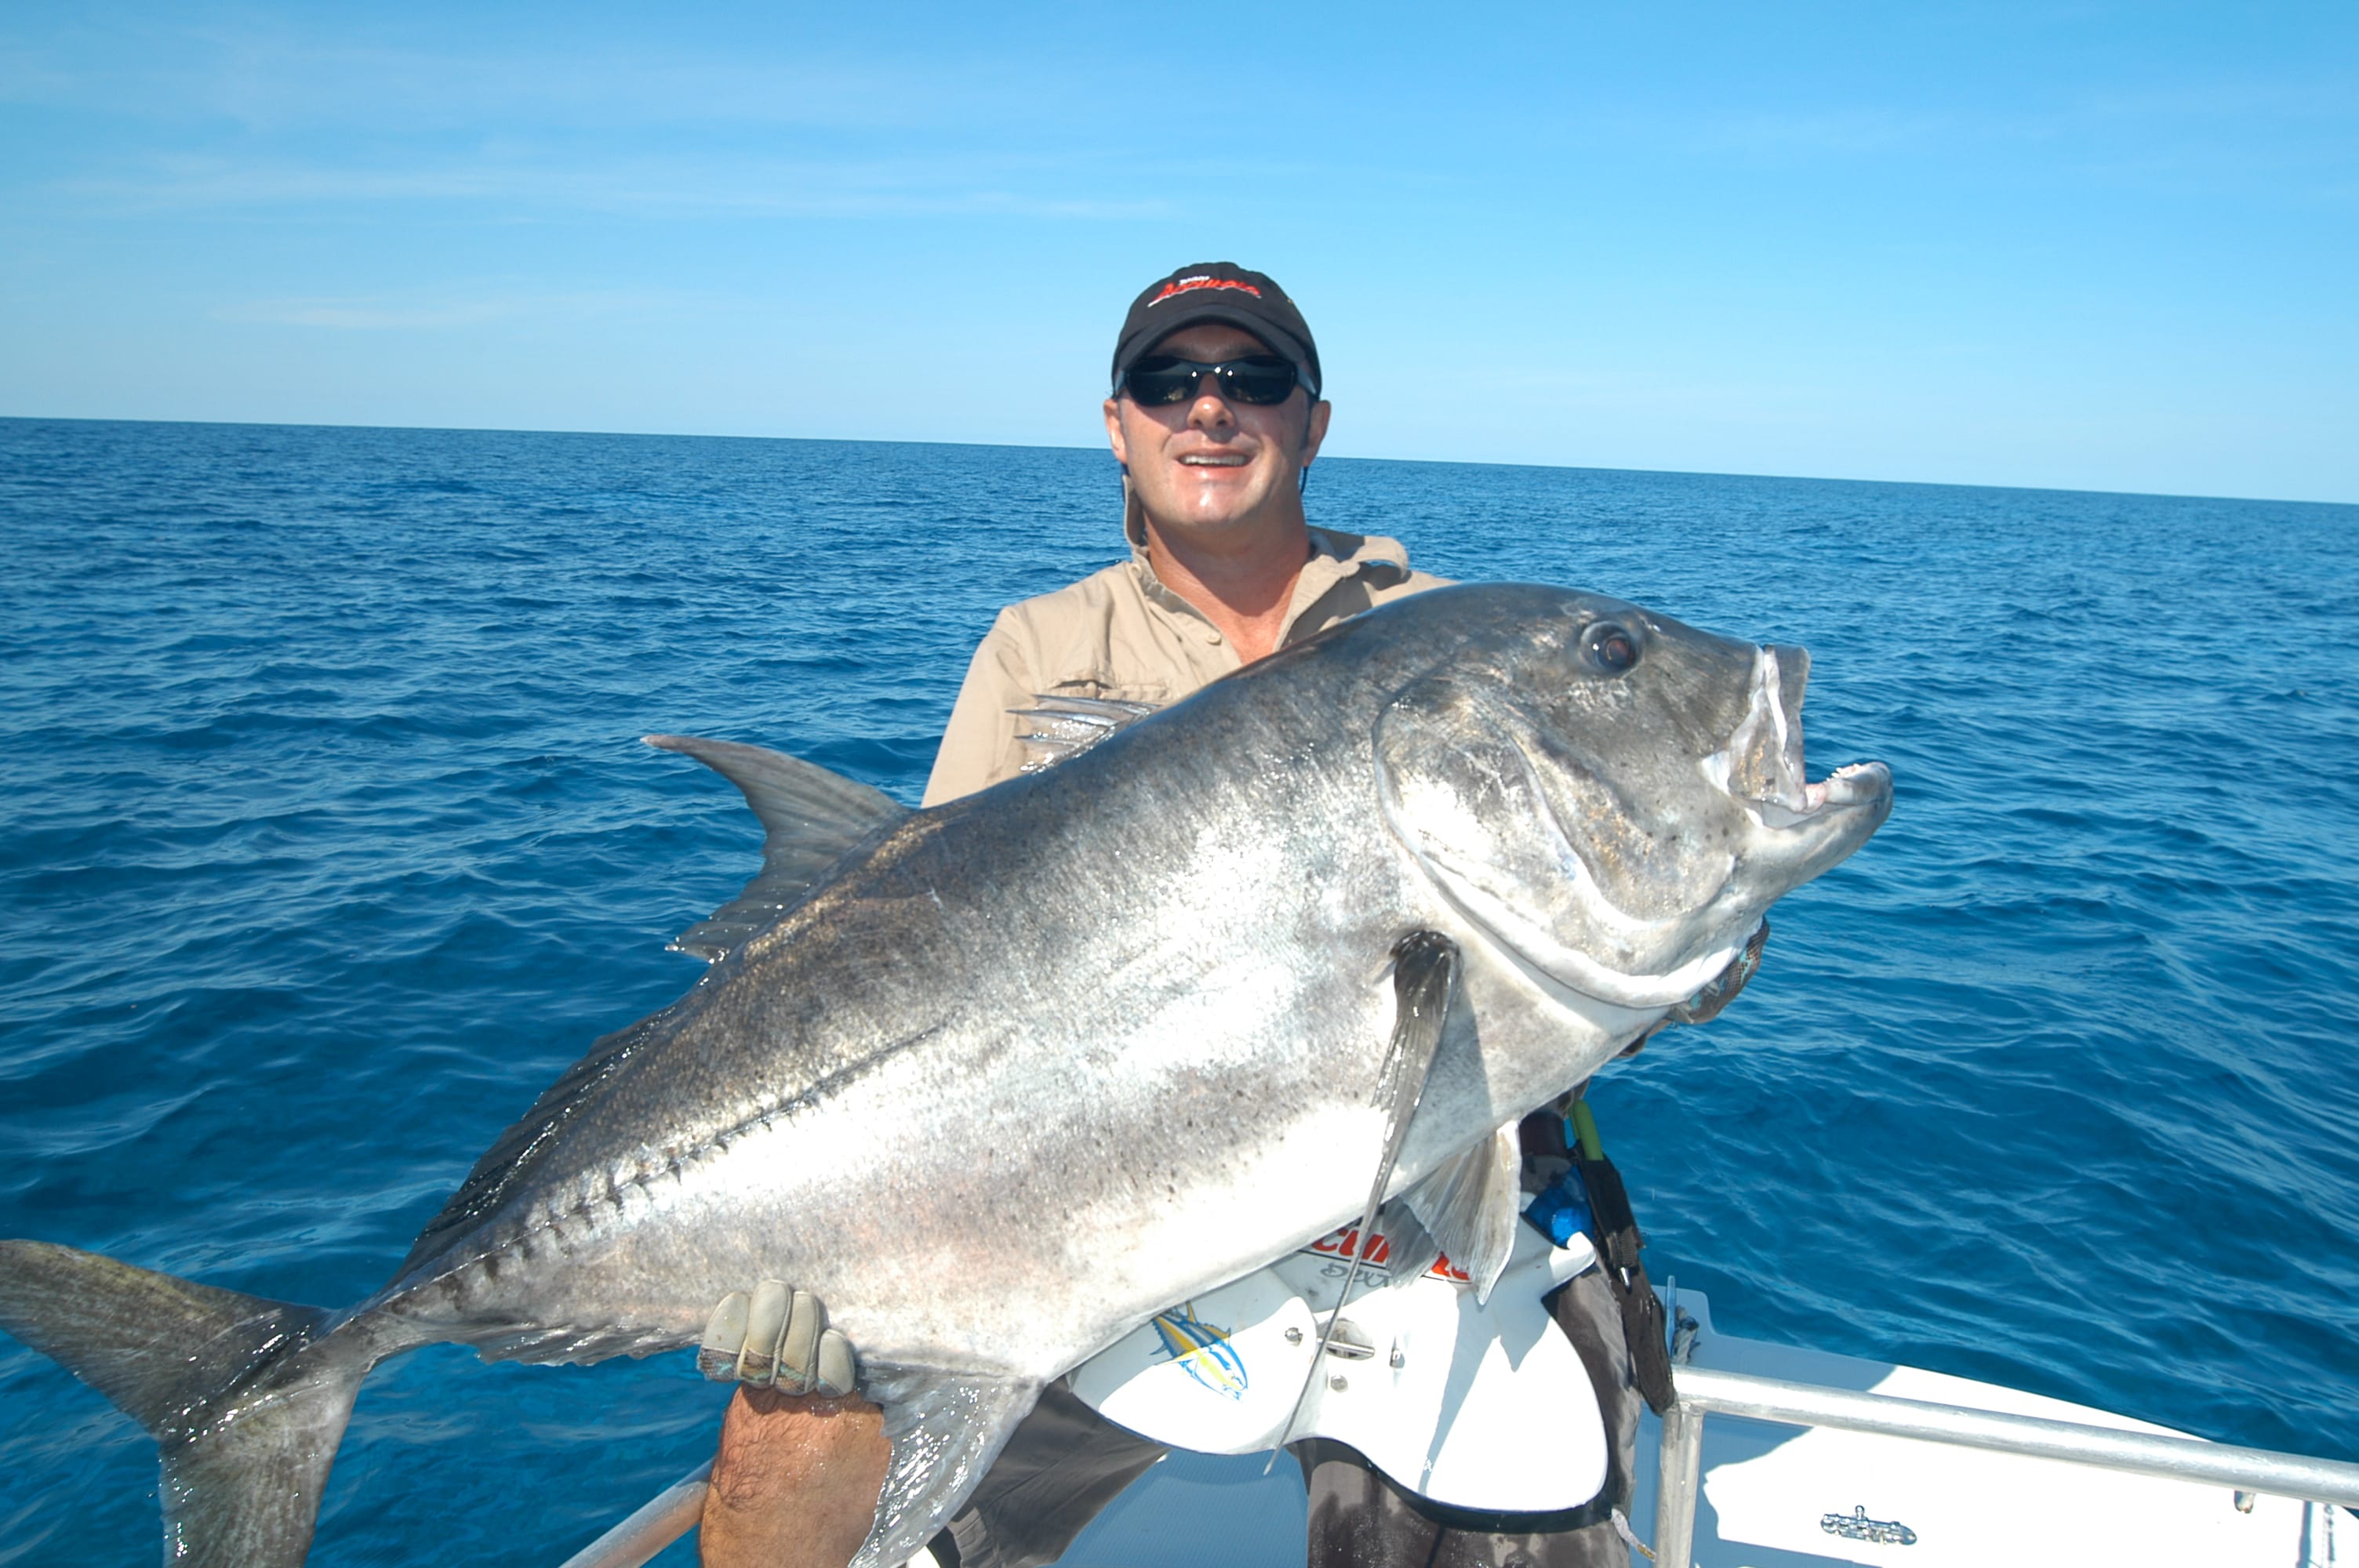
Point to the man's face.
(1209, 464)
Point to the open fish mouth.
(1762, 764)
(1853, 784)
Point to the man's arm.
(979, 745)
(796, 1476)
(796, 1482)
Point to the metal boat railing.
(662, 1520)
(1702, 1391)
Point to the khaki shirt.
(1121, 634)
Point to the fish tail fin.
(246, 1397)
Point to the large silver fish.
(1002, 1079)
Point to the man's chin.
(1218, 504)
(1209, 524)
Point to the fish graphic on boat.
(1203, 1350)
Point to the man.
(1216, 417)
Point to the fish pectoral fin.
(1056, 728)
(1425, 984)
(811, 819)
(1470, 1204)
(945, 1428)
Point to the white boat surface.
(1781, 1496)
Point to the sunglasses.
(1161, 379)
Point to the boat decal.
(1204, 1349)
(1345, 1240)
(1857, 1526)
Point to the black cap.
(1217, 291)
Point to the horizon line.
(1047, 447)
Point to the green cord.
(1584, 1130)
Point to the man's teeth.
(1215, 461)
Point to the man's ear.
(1314, 431)
(1114, 431)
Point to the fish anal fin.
(945, 1428)
(1470, 1203)
(1411, 1250)
(811, 819)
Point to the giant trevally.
(1002, 1079)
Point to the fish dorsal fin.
(1470, 1204)
(1057, 728)
(811, 818)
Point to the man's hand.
(776, 1338)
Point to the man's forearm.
(796, 1482)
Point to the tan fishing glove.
(776, 1338)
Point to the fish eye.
(1610, 647)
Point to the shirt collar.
(1336, 557)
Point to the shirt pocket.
(1098, 685)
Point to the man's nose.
(1211, 411)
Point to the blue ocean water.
(326, 841)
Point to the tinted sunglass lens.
(1258, 379)
(1161, 380)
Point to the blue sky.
(2086, 245)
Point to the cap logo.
(1202, 280)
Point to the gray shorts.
(1066, 1463)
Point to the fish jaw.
(1800, 827)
